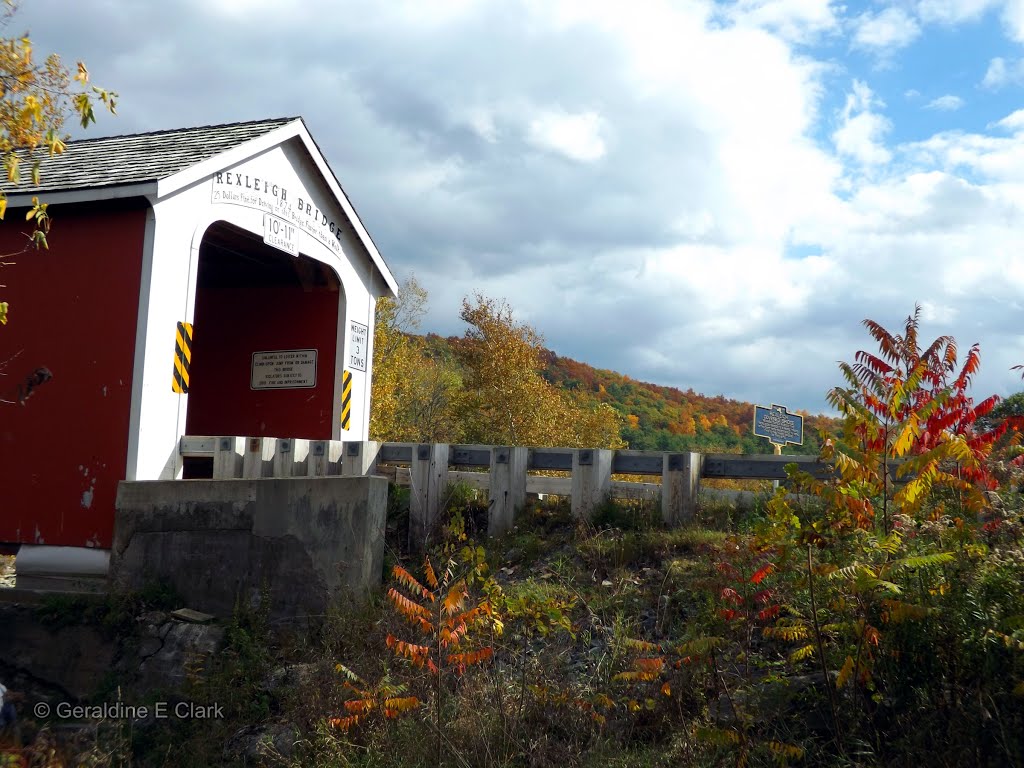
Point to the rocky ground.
(6, 571)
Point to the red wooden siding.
(74, 310)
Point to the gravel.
(6, 571)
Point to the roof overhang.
(84, 195)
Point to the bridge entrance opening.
(264, 341)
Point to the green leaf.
(801, 653)
(891, 543)
(921, 561)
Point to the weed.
(626, 514)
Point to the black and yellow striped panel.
(182, 358)
(346, 399)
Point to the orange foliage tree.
(913, 404)
(455, 623)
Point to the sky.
(702, 195)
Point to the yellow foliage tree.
(494, 392)
(414, 397)
(36, 99)
(507, 399)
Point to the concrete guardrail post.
(591, 480)
(300, 456)
(324, 458)
(284, 457)
(507, 487)
(227, 458)
(360, 458)
(428, 475)
(680, 486)
(259, 452)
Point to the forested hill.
(668, 419)
(658, 418)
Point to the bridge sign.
(778, 425)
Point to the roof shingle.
(136, 158)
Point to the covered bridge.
(205, 281)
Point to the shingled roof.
(137, 158)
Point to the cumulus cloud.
(482, 121)
(798, 21)
(861, 130)
(1013, 19)
(1003, 72)
(1012, 122)
(947, 103)
(953, 11)
(576, 136)
(885, 31)
(997, 74)
(992, 158)
(661, 189)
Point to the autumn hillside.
(498, 384)
(659, 418)
(668, 419)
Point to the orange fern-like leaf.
(428, 571)
(759, 575)
(644, 670)
(769, 613)
(471, 658)
(345, 724)
(405, 578)
(451, 635)
(412, 611)
(653, 665)
(845, 672)
(359, 706)
(455, 600)
(417, 654)
(398, 705)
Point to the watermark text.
(119, 710)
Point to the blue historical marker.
(778, 425)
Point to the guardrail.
(507, 471)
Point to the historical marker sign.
(778, 425)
